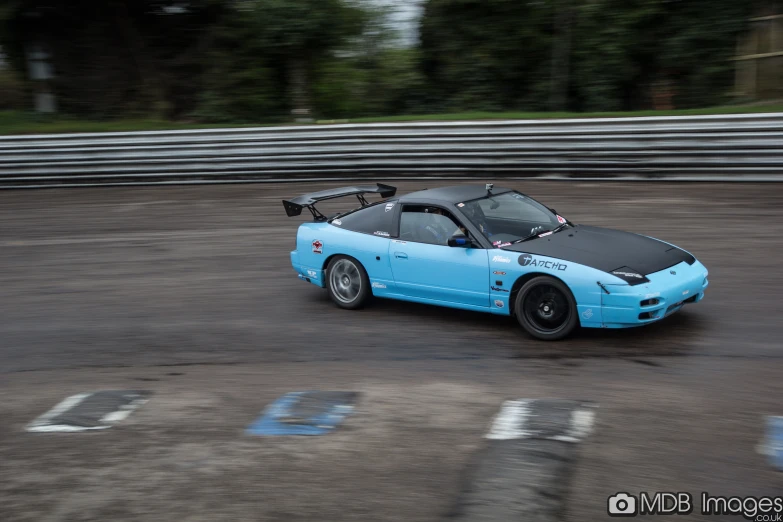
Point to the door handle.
(401, 255)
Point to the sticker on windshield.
(460, 205)
(560, 219)
(518, 196)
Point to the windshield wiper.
(539, 234)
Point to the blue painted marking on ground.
(302, 413)
(774, 443)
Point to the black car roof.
(453, 194)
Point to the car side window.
(376, 219)
(427, 225)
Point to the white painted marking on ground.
(764, 449)
(581, 426)
(510, 421)
(65, 428)
(42, 422)
(115, 416)
(122, 413)
(42, 425)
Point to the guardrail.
(745, 147)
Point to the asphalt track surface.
(188, 292)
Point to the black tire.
(347, 282)
(546, 309)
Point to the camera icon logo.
(622, 505)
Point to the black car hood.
(606, 250)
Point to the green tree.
(695, 55)
(242, 82)
(113, 57)
(371, 74)
(487, 54)
(627, 52)
(299, 33)
(265, 56)
(350, 87)
(580, 54)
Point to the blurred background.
(267, 61)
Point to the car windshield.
(510, 217)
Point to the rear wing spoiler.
(294, 206)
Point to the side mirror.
(459, 240)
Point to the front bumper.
(667, 292)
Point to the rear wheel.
(348, 284)
(546, 309)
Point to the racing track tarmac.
(188, 292)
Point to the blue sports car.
(491, 250)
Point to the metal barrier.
(739, 147)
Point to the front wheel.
(546, 309)
(348, 284)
